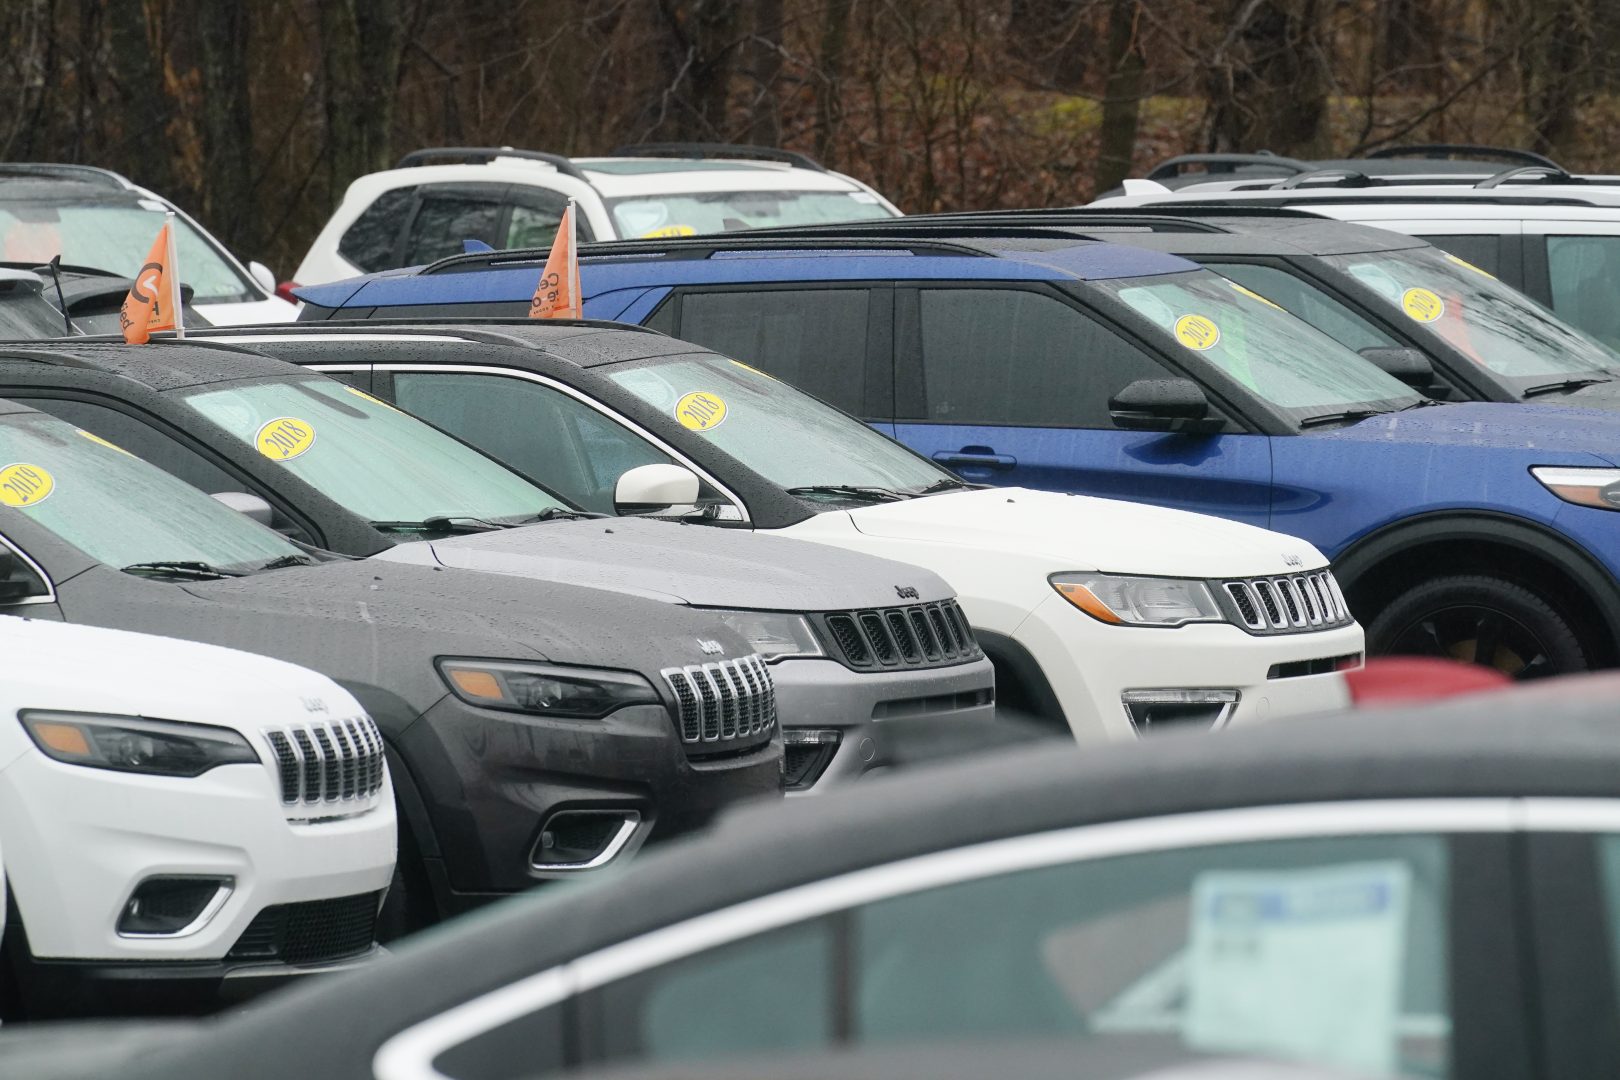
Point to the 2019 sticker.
(1422, 305)
(285, 438)
(670, 230)
(701, 410)
(1197, 332)
(22, 484)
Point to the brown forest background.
(255, 114)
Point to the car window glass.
(1585, 279)
(1305, 301)
(446, 220)
(1483, 251)
(814, 339)
(1326, 950)
(143, 440)
(1010, 356)
(371, 241)
(541, 432)
(663, 320)
(727, 211)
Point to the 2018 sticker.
(22, 484)
(285, 438)
(701, 410)
(1422, 305)
(670, 230)
(1197, 332)
(1252, 295)
(1469, 265)
(99, 441)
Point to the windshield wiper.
(441, 523)
(950, 483)
(558, 513)
(1349, 416)
(179, 568)
(286, 561)
(1422, 404)
(870, 494)
(1568, 386)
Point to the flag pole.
(178, 306)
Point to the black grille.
(1288, 604)
(723, 702)
(313, 932)
(909, 636)
(328, 769)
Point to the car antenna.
(55, 267)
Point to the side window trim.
(49, 596)
(409, 1055)
(562, 388)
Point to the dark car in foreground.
(1428, 891)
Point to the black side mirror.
(1411, 366)
(1163, 405)
(17, 581)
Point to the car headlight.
(131, 744)
(1139, 601)
(1584, 487)
(773, 634)
(546, 689)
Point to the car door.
(1011, 385)
(1574, 268)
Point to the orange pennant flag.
(557, 295)
(149, 305)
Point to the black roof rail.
(1539, 174)
(482, 154)
(706, 150)
(1225, 163)
(1328, 177)
(223, 334)
(690, 247)
(51, 171)
(1472, 150)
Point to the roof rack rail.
(1328, 177)
(50, 170)
(481, 154)
(1225, 163)
(707, 150)
(1447, 150)
(1538, 174)
(693, 247)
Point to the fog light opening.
(173, 906)
(583, 839)
(1152, 711)
(806, 753)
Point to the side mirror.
(1411, 366)
(1163, 405)
(247, 504)
(263, 275)
(647, 489)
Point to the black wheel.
(1480, 620)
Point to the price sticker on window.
(1197, 332)
(285, 438)
(701, 410)
(22, 484)
(670, 230)
(1422, 305)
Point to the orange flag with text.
(557, 295)
(153, 301)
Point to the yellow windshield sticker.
(700, 410)
(670, 230)
(1469, 265)
(1252, 295)
(1197, 332)
(367, 397)
(25, 485)
(1422, 305)
(99, 441)
(284, 438)
(755, 370)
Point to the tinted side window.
(142, 440)
(447, 217)
(814, 339)
(1484, 252)
(1304, 300)
(1584, 272)
(371, 240)
(1010, 356)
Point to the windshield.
(115, 507)
(781, 433)
(1281, 359)
(115, 237)
(728, 211)
(369, 457)
(25, 315)
(1495, 326)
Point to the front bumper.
(1090, 666)
(824, 695)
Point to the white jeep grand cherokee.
(182, 824)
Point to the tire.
(409, 906)
(1481, 620)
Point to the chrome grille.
(909, 636)
(1289, 604)
(328, 768)
(723, 701)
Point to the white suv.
(182, 824)
(417, 213)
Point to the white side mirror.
(263, 275)
(649, 488)
(247, 504)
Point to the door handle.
(983, 457)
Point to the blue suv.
(1474, 530)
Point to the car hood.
(1078, 532)
(1502, 425)
(681, 564)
